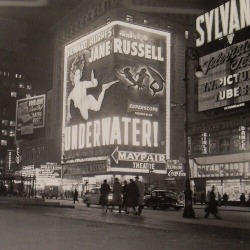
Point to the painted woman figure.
(83, 101)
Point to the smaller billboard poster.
(48, 173)
(30, 114)
(226, 78)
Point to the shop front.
(87, 175)
(227, 176)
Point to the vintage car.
(163, 199)
(93, 197)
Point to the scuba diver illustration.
(141, 76)
(157, 79)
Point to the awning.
(218, 159)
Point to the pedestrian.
(105, 190)
(225, 199)
(249, 200)
(75, 196)
(212, 205)
(141, 189)
(132, 196)
(208, 197)
(117, 195)
(124, 194)
(195, 198)
(219, 199)
(242, 200)
(203, 197)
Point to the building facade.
(133, 65)
(219, 133)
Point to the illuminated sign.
(175, 173)
(242, 138)
(222, 21)
(18, 155)
(137, 156)
(30, 114)
(227, 77)
(116, 93)
(48, 173)
(204, 143)
(92, 167)
(10, 161)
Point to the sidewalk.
(223, 208)
(21, 201)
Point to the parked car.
(163, 199)
(93, 197)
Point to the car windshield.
(166, 193)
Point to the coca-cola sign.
(176, 173)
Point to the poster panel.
(30, 114)
(116, 93)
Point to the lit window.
(20, 76)
(145, 21)
(186, 34)
(4, 142)
(129, 18)
(4, 132)
(5, 122)
(12, 133)
(12, 123)
(16, 75)
(29, 86)
(13, 94)
(21, 85)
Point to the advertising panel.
(30, 114)
(116, 93)
(227, 78)
(222, 21)
(10, 161)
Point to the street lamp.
(191, 54)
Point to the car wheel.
(88, 204)
(154, 207)
(177, 208)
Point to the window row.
(33, 153)
(15, 75)
(220, 142)
(6, 123)
(11, 132)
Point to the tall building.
(135, 63)
(14, 85)
(219, 131)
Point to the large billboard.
(226, 78)
(117, 95)
(30, 114)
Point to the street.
(89, 228)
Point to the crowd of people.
(128, 196)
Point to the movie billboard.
(116, 94)
(30, 114)
(226, 80)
